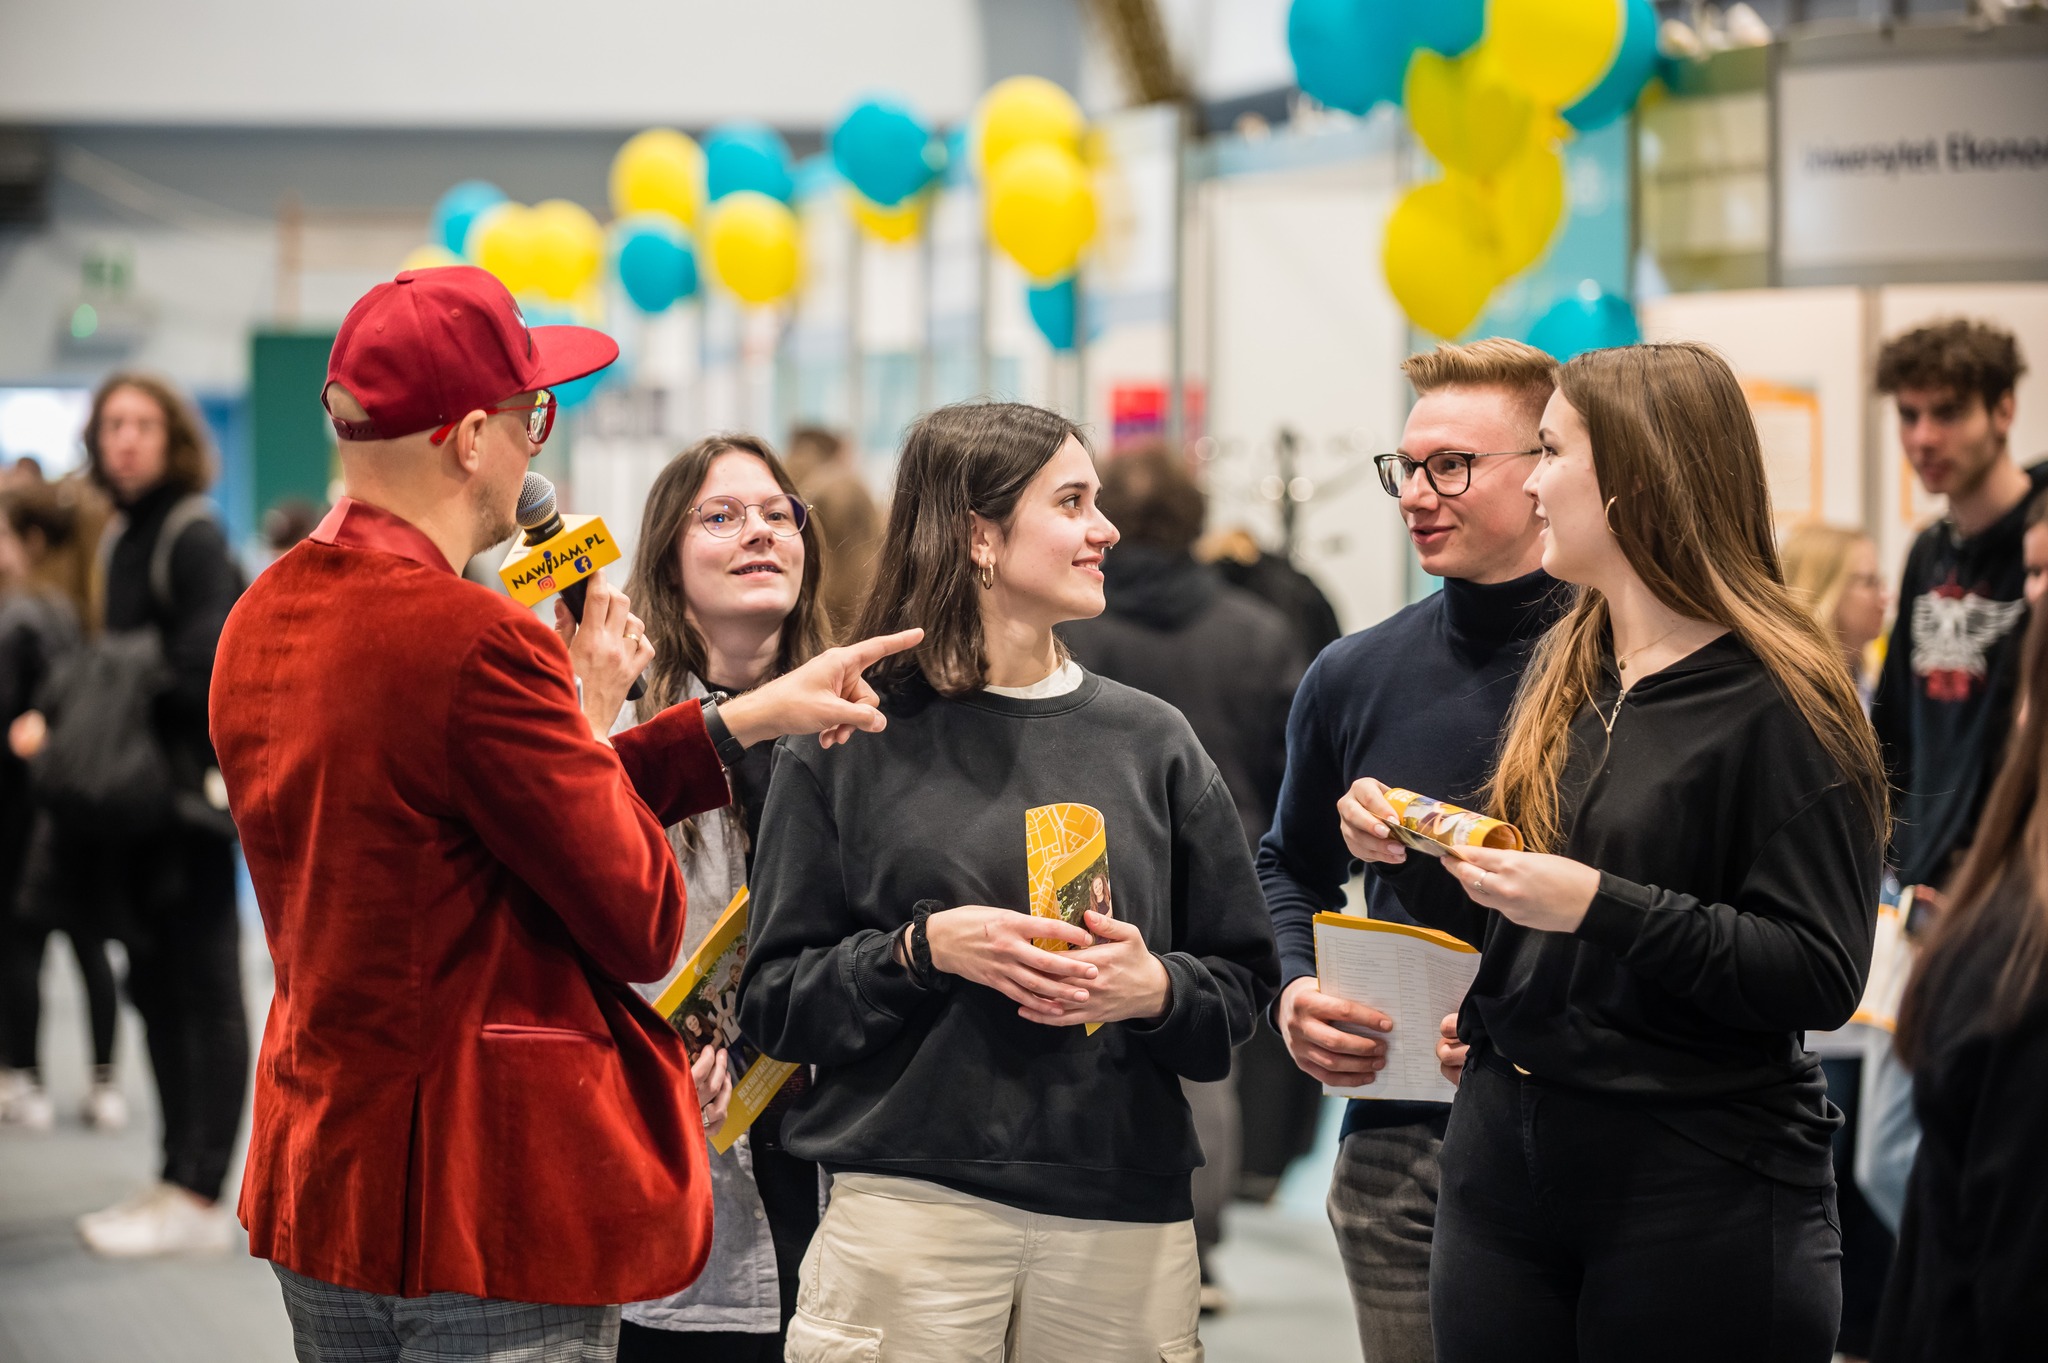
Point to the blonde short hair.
(1524, 372)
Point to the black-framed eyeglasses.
(1449, 471)
(724, 517)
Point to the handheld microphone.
(558, 555)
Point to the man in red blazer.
(458, 1094)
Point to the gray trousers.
(1383, 1207)
(332, 1324)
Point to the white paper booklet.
(1414, 976)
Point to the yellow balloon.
(897, 224)
(505, 240)
(1557, 50)
(1041, 209)
(1468, 118)
(429, 257)
(1527, 199)
(754, 245)
(1441, 256)
(571, 248)
(1020, 112)
(658, 171)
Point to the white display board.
(1799, 355)
(1301, 333)
(1924, 168)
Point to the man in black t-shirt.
(1944, 699)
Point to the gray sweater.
(948, 1083)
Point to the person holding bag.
(1001, 1172)
(1639, 1149)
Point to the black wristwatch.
(730, 749)
(921, 967)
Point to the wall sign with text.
(1913, 170)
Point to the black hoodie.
(1738, 896)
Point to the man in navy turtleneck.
(1418, 700)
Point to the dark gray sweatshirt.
(948, 1083)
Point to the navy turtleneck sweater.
(1418, 701)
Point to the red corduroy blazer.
(456, 1091)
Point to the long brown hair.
(656, 585)
(1675, 447)
(2003, 876)
(973, 457)
(188, 459)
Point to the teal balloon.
(1586, 321)
(455, 210)
(956, 167)
(657, 267)
(814, 175)
(1451, 27)
(1055, 310)
(747, 156)
(880, 150)
(1634, 63)
(1350, 54)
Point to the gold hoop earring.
(1607, 514)
(986, 575)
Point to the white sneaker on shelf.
(105, 1108)
(30, 1108)
(176, 1222)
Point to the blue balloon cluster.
(882, 150)
(1352, 54)
(455, 210)
(656, 264)
(747, 156)
(815, 175)
(1590, 320)
(1634, 64)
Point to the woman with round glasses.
(726, 578)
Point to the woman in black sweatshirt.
(1001, 1171)
(1638, 1156)
(1971, 1277)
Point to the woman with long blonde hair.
(1639, 1149)
(1833, 570)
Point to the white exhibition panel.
(1798, 353)
(511, 63)
(1931, 164)
(1302, 333)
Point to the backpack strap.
(193, 507)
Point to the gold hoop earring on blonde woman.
(1607, 514)
(985, 573)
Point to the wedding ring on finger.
(1480, 884)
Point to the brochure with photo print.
(1066, 849)
(703, 1005)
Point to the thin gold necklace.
(1621, 663)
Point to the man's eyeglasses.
(724, 517)
(1449, 471)
(540, 418)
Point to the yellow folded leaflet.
(703, 1005)
(1435, 827)
(1066, 856)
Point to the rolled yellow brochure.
(1435, 827)
(1066, 857)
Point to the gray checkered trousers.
(332, 1324)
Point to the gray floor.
(60, 1304)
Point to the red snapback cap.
(434, 345)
